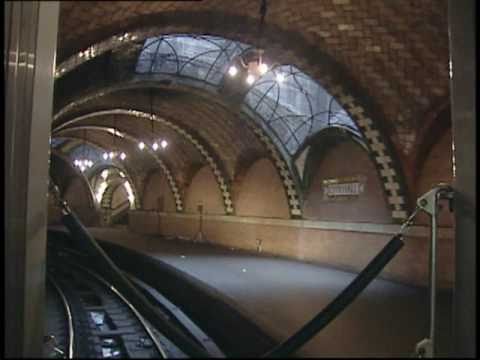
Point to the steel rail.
(137, 314)
(66, 305)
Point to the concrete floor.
(280, 295)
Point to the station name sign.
(343, 187)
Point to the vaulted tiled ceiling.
(225, 133)
(392, 56)
(397, 51)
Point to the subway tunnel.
(249, 178)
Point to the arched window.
(294, 106)
(201, 57)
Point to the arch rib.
(174, 188)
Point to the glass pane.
(201, 57)
(296, 107)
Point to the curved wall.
(119, 196)
(78, 198)
(261, 192)
(204, 190)
(157, 194)
(346, 159)
(345, 234)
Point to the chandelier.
(155, 145)
(113, 154)
(251, 63)
(84, 162)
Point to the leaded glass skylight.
(55, 142)
(295, 107)
(291, 105)
(197, 56)
(94, 154)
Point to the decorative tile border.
(63, 156)
(99, 48)
(116, 41)
(212, 161)
(288, 180)
(380, 153)
(174, 188)
(126, 172)
(73, 142)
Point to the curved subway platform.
(280, 295)
(251, 179)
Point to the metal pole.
(428, 202)
(433, 274)
(461, 31)
(29, 62)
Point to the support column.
(462, 89)
(29, 59)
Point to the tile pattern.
(379, 152)
(395, 52)
(289, 180)
(212, 161)
(382, 158)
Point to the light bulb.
(82, 168)
(262, 68)
(111, 154)
(90, 163)
(280, 77)
(164, 144)
(123, 156)
(141, 145)
(155, 146)
(76, 162)
(232, 71)
(105, 156)
(250, 79)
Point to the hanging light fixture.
(114, 153)
(84, 162)
(154, 145)
(163, 143)
(252, 60)
(105, 156)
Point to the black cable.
(119, 280)
(263, 13)
(342, 300)
(151, 112)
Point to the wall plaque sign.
(343, 187)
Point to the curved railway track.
(100, 322)
(90, 318)
(66, 342)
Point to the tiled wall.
(313, 241)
